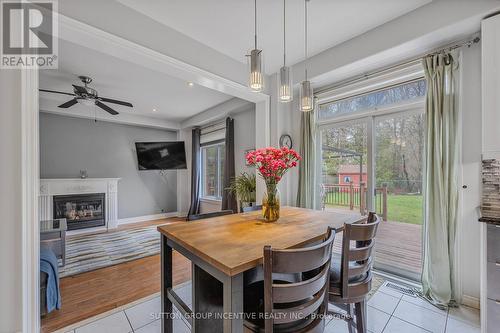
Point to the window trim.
(216, 143)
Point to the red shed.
(350, 173)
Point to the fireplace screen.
(81, 211)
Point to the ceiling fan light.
(285, 85)
(306, 97)
(256, 78)
(85, 101)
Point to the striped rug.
(92, 251)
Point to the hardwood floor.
(88, 294)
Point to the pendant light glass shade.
(306, 91)
(285, 85)
(285, 91)
(306, 97)
(256, 78)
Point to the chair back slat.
(293, 292)
(195, 217)
(300, 260)
(303, 310)
(356, 261)
(294, 303)
(361, 253)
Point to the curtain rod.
(452, 46)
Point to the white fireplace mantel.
(64, 186)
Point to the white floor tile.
(155, 327)
(376, 320)
(115, 323)
(144, 313)
(457, 326)
(384, 302)
(336, 326)
(423, 303)
(185, 293)
(467, 315)
(421, 317)
(396, 325)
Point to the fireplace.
(81, 210)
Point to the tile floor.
(389, 311)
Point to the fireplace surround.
(82, 206)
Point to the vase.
(271, 204)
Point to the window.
(404, 93)
(347, 179)
(212, 170)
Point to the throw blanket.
(48, 264)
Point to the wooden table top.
(234, 243)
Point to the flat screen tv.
(161, 155)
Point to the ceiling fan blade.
(106, 108)
(56, 92)
(115, 101)
(68, 103)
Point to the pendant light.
(306, 91)
(285, 82)
(256, 78)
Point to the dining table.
(221, 250)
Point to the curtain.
(195, 172)
(305, 193)
(228, 199)
(440, 178)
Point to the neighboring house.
(350, 173)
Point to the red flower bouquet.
(272, 164)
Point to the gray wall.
(68, 145)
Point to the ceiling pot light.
(306, 91)
(285, 82)
(190, 84)
(154, 110)
(256, 77)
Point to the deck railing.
(354, 196)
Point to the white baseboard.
(470, 301)
(147, 218)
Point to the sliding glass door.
(399, 147)
(370, 149)
(344, 177)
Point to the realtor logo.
(29, 34)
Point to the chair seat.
(335, 282)
(254, 309)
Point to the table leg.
(233, 304)
(166, 283)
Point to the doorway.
(371, 150)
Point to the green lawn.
(401, 208)
(405, 208)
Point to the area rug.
(92, 251)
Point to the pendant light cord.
(255, 22)
(305, 34)
(284, 33)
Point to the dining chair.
(350, 272)
(194, 217)
(273, 306)
(251, 208)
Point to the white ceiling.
(227, 25)
(114, 78)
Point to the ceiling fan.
(88, 96)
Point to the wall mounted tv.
(161, 155)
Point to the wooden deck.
(398, 247)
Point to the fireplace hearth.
(81, 210)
